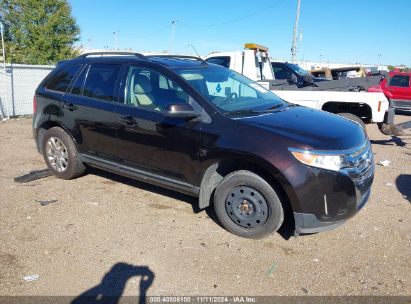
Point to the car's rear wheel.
(61, 155)
(247, 205)
(354, 118)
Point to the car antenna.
(192, 46)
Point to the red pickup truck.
(397, 89)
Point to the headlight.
(314, 159)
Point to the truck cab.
(396, 87)
(337, 97)
(253, 62)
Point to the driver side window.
(149, 90)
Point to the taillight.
(34, 104)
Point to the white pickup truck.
(254, 63)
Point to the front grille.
(359, 166)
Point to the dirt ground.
(110, 234)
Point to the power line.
(235, 19)
(162, 29)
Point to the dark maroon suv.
(207, 131)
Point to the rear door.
(89, 108)
(149, 141)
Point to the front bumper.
(306, 223)
(323, 200)
(400, 104)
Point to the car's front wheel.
(61, 155)
(247, 205)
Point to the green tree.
(390, 68)
(38, 32)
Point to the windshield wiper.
(243, 112)
(274, 107)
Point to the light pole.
(173, 30)
(115, 33)
(89, 40)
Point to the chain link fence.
(17, 88)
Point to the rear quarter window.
(61, 81)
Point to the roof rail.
(112, 53)
(179, 57)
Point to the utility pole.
(173, 30)
(295, 30)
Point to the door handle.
(69, 106)
(128, 119)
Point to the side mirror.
(180, 110)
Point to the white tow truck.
(254, 63)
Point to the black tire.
(354, 118)
(261, 191)
(74, 167)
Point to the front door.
(148, 140)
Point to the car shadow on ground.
(147, 187)
(403, 183)
(113, 283)
(395, 140)
(286, 231)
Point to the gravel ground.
(109, 234)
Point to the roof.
(171, 61)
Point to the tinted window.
(101, 81)
(150, 90)
(281, 73)
(223, 61)
(400, 81)
(62, 79)
(79, 82)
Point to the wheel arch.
(218, 169)
(46, 125)
(361, 110)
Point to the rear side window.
(400, 81)
(101, 81)
(61, 81)
(223, 61)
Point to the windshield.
(297, 69)
(230, 91)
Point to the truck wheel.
(354, 118)
(60, 154)
(247, 205)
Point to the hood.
(310, 129)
